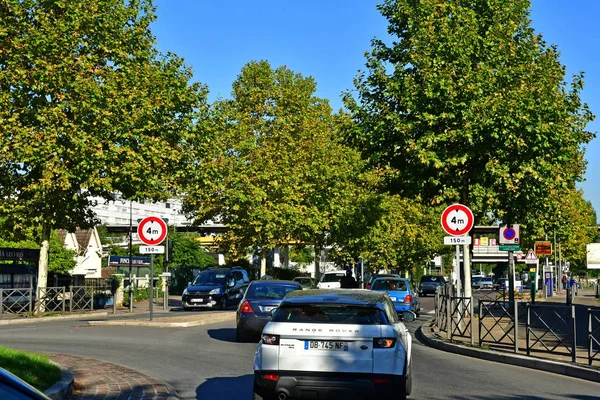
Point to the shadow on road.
(230, 388)
(223, 334)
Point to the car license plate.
(393, 298)
(325, 345)
(197, 300)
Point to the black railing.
(503, 324)
(551, 328)
(593, 335)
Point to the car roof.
(273, 282)
(358, 297)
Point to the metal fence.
(498, 324)
(49, 299)
(552, 328)
(593, 335)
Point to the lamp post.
(130, 257)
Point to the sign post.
(510, 236)
(152, 231)
(457, 220)
(531, 259)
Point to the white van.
(331, 280)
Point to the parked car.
(483, 283)
(14, 388)
(429, 283)
(331, 280)
(266, 278)
(254, 311)
(321, 343)
(501, 284)
(306, 282)
(215, 288)
(400, 292)
(375, 276)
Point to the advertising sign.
(593, 255)
(542, 248)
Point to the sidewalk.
(95, 380)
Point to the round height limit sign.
(152, 230)
(457, 220)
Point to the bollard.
(516, 326)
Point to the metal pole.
(480, 320)
(151, 297)
(527, 326)
(130, 257)
(511, 277)
(467, 269)
(449, 316)
(63, 299)
(458, 283)
(362, 272)
(472, 322)
(546, 286)
(574, 344)
(1, 302)
(589, 335)
(516, 325)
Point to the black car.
(215, 288)
(12, 387)
(260, 299)
(429, 283)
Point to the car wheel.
(408, 381)
(187, 309)
(257, 396)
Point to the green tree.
(466, 103)
(88, 106)
(274, 168)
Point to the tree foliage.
(468, 104)
(274, 168)
(88, 106)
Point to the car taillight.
(408, 299)
(246, 307)
(380, 380)
(271, 377)
(271, 339)
(368, 286)
(384, 343)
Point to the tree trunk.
(263, 263)
(42, 281)
(317, 261)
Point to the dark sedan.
(255, 308)
(429, 284)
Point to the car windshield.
(390, 284)
(328, 314)
(335, 277)
(210, 278)
(274, 291)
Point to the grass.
(35, 369)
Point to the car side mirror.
(408, 316)
(231, 282)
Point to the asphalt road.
(206, 363)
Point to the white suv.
(331, 280)
(334, 343)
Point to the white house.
(89, 251)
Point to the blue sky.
(326, 39)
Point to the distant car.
(337, 343)
(266, 278)
(14, 388)
(400, 292)
(429, 283)
(483, 283)
(254, 311)
(215, 288)
(375, 276)
(501, 283)
(331, 280)
(306, 282)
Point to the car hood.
(203, 288)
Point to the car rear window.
(329, 314)
(333, 277)
(276, 292)
(389, 284)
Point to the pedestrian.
(564, 282)
(348, 281)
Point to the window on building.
(5, 281)
(21, 280)
(168, 205)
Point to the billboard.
(593, 255)
(542, 248)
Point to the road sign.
(519, 256)
(542, 248)
(530, 258)
(457, 220)
(509, 247)
(457, 240)
(152, 249)
(152, 230)
(509, 234)
(166, 274)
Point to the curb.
(63, 389)
(55, 318)
(425, 335)
(159, 324)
